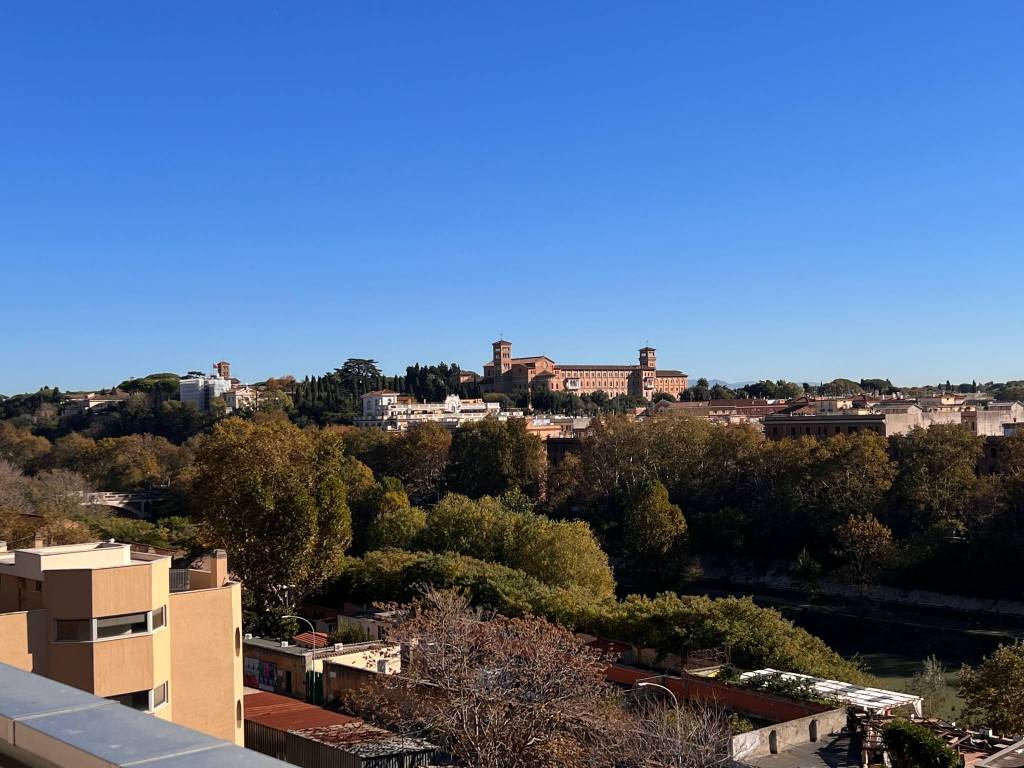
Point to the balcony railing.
(179, 580)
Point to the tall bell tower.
(502, 357)
(648, 360)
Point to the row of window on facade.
(87, 630)
(822, 431)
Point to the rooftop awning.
(873, 700)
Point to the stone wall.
(781, 736)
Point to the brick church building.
(508, 374)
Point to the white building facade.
(395, 412)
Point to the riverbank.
(890, 640)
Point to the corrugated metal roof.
(332, 729)
(365, 740)
(285, 714)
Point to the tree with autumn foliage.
(993, 692)
(501, 692)
(275, 497)
(865, 548)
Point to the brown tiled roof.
(670, 374)
(311, 639)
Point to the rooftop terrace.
(44, 723)
(34, 563)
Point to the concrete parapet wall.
(781, 736)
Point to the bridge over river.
(138, 504)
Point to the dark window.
(73, 630)
(117, 626)
(287, 681)
(136, 700)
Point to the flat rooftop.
(321, 652)
(43, 722)
(1011, 757)
(333, 729)
(33, 563)
(821, 754)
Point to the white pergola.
(877, 701)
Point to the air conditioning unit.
(248, 636)
(284, 643)
(339, 647)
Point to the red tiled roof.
(311, 639)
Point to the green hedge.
(914, 746)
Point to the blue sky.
(799, 190)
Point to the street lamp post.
(675, 701)
(310, 675)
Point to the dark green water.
(891, 642)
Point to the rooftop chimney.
(219, 567)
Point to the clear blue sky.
(759, 189)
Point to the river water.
(891, 642)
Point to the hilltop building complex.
(509, 374)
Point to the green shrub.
(670, 623)
(914, 746)
(791, 688)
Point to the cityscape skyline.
(255, 371)
(511, 385)
(306, 185)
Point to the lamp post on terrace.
(311, 674)
(675, 701)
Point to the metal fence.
(179, 580)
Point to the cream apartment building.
(104, 619)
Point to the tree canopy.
(275, 497)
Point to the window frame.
(87, 623)
(151, 704)
(93, 634)
(128, 621)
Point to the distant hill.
(724, 383)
